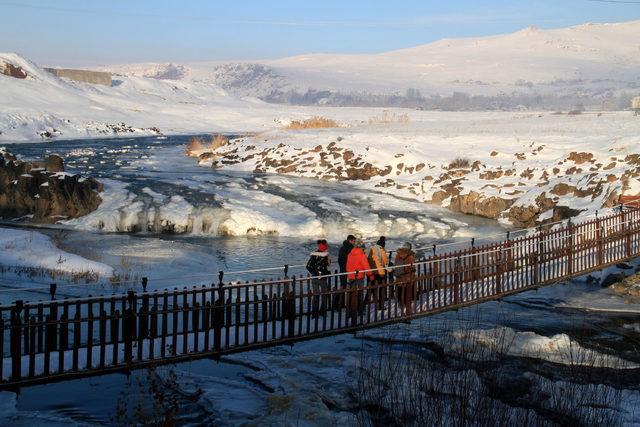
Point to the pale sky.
(74, 32)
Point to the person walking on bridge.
(379, 261)
(357, 267)
(318, 265)
(405, 278)
(345, 249)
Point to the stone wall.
(86, 76)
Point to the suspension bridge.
(56, 340)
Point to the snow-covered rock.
(517, 167)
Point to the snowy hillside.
(42, 106)
(594, 64)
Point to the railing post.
(218, 319)
(133, 306)
(499, 273)
(626, 231)
(475, 273)
(540, 255)
(15, 337)
(143, 320)
(569, 248)
(456, 282)
(536, 269)
(599, 242)
(127, 335)
(292, 308)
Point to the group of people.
(356, 262)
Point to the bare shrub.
(316, 122)
(194, 145)
(197, 145)
(218, 141)
(53, 274)
(387, 117)
(159, 402)
(471, 377)
(128, 270)
(460, 163)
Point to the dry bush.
(471, 382)
(155, 399)
(387, 117)
(129, 270)
(218, 141)
(460, 163)
(197, 145)
(316, 122)
(194, 145)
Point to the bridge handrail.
(503, 247)
(164, 326)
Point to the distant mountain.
(591, 64)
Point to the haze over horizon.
(146, 31)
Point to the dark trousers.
(320, 288)
(340, 299)
(379, 282)
(355, 303)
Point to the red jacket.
(357, 261)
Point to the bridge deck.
(54, 340)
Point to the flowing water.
(165, 218)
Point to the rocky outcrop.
(475, 203)
(11, 70)
(42, 192)
(622, 285)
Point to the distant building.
(85, 76)
(635, 105)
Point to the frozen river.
(166, 218)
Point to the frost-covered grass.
(32, 253)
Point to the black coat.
(343, 254)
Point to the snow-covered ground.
(42, 106)
(24, 250)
